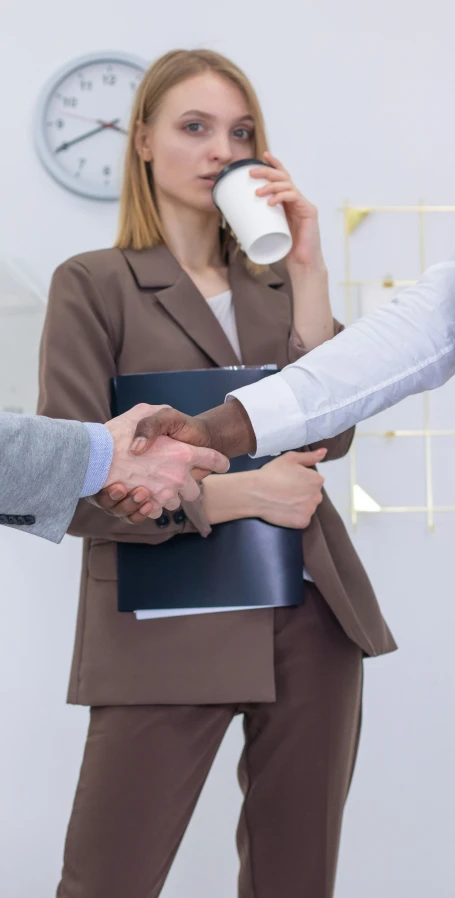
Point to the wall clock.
(82, 122)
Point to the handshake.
(160, 454)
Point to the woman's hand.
(302, 216)
(285, 492)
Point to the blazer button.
(163, 521)
(179, 516)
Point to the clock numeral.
(70, 101)
(86, 85)
(106, 170)
(82, 162)
(59, 123)
(110, 79)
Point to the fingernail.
(138, 444)
(117, 493)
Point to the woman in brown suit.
(176, 293)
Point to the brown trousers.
(144, 768)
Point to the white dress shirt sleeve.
(405, 347)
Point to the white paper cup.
(261, 230)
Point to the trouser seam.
(247, 826)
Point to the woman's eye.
(193, 127)
(243, 133)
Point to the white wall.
(359, 101)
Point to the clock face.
(83, 120)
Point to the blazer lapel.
(263, 309)
(156, 269)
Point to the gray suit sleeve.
(43, 466)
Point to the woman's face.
(203, 124)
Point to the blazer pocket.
(102, 561)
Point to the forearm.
(43, 467)
(229, 497)
(313, 319)
(404, 348)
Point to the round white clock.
(82, 121)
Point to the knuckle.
(166, 495)
(142, 408)
(184, 452)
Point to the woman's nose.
(221, 150)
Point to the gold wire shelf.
(353, 218)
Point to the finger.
(172, 504)
(190, 490)
(168, 497)
(209, 459)
(147, 432)
(306, 459)
(167, 422)
(148, 510)
(199, 473)
(143, 410)
(273, 160)
(276, 187)
(286, 196)
(270, 174)
(156, 513)
(131, 503)
(108, 497)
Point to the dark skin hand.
(226, 428)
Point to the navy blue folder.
(241, 563)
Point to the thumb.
(172, 423)
(162, 423)
(309, 459)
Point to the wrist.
(253, 495)
(230, 429)
(100, 459)
(315, 266)
(228, 497)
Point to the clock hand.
(96, 121)
(69, 143)
(115, 127)
(83, 118)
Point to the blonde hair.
(139, 221)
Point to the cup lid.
(238, 164)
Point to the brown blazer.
(124, 312)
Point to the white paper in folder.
(179, 612)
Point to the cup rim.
(238, 164)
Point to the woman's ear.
(142, 142)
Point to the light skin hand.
(313, 319)
(302, 216)
(284, 492)
(160, 477)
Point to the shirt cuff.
(100, 459)
(274, 413)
